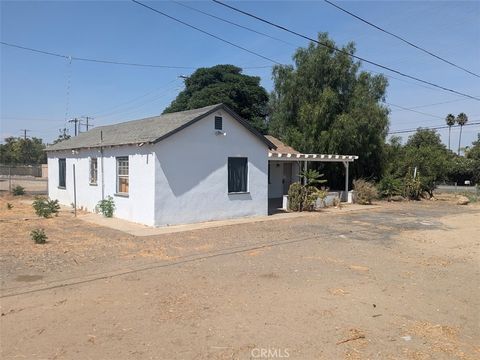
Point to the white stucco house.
(185, 167)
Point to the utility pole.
(25, 133)
(87, 124)
(75, 121)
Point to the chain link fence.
(33, 178)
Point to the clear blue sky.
(34, 87)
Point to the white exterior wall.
(191, 182)
(137, 207)
(275, 188)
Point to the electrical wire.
(477, 122)
(401, 38)
(112, 62)
(232, 23)
(331, 47)
(206, 32)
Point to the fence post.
(9, 178)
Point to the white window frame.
(122, 168)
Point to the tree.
(425, 151)
(22, 151)
(473, 154)
(462, 119)
(324, 104)
(224, 84)
(450, 120)
(64, 135)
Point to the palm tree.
(450, 120)
(462, 119)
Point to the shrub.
(39, 236)
(412, 187)
(365, 191)
(18, 190)
(106, 206)
(389, 187)
(295, 197)
(303, 197)
(45, 208)
(9, 206)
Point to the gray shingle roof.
(147, 130)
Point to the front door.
(287, 177)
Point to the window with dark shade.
(122, 175)
(62, 173)
(218, 123)
(237, 174)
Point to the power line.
(477, 122)
(109, 110)
(401, 38)
(112, 62)
(206, 32)
(413, 110)
(232, 23)
(331, 47)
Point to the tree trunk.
(460, 139)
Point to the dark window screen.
(62, 172)
(237, 174)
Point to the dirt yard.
(400, 281)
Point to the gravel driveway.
(395, 282)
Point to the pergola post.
(304, 172)
(345, 163)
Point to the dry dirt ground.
(396, 282)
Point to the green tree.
(22, 151)
(450, 120)
(224, 84)
(324, 104)
(473, 154)
(64, 135)
(425, 151)
(462, 119)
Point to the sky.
(41, 93)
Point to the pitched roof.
(282, 148)
(149, 130)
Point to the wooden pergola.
(306, 158)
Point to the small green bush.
(389, 187)
(45, 208)
(106, 206)
(303, 197)
(18, 190)
(365, 191)
(9, 206)
(39, 236)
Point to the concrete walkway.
(143, 230)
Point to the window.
(62, 173)
(237, 174)
(122, 175)
(218, 123)
(93, 171)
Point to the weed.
(106, 206)
(45, 208)
(18, 190)
(39, 236)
